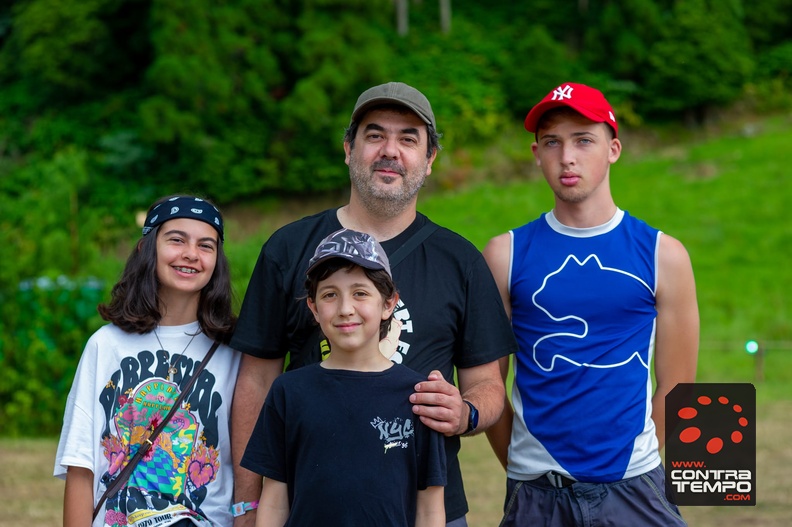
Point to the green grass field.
(725, 196)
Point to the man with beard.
(450, 313)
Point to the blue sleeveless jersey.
(583, 312)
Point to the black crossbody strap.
(414, 241)
(145, 446)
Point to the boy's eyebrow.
(574, 134)
(354, 285)
(374, 126)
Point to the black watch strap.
(473, 418)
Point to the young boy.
(337, 441)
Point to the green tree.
(242, 97)
(769, 23)
(70, 50)
(702, 60)
(339, 48)
(619, 43)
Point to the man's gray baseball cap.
(395, 93)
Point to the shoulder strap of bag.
(414, 241)
(144, 447)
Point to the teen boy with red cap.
(595, 297)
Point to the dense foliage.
(107, 104)
(238, 99)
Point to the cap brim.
(536, 113)
(388, 100)
(362, 262)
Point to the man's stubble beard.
(396, 197)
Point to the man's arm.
(677, 337)
(497, 253)
(253, 383)
(441, 405)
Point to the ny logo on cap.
(562, 92)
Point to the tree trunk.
(402, 17)
(445, 16)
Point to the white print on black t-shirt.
(402, 314)
(394, 433)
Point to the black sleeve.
(265, 452)
(486, 330)
(261, 328)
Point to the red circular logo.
(694, 433)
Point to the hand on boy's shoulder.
(390, 343)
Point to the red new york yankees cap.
(587, 101)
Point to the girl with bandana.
(172, 301)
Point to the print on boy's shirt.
(394, 433)
(184, 459)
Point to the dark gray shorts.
(630, 502)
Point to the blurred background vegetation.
(106, 105)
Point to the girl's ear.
(389, 305)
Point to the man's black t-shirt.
(449, 306)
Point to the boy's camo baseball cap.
(397, 93)
(587, 101)
(358, 247)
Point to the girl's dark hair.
(381, 279)
(134, 302)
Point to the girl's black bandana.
(184, 207)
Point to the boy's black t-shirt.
(347, 445)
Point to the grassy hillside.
(725, 197)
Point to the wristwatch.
(472, 419)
